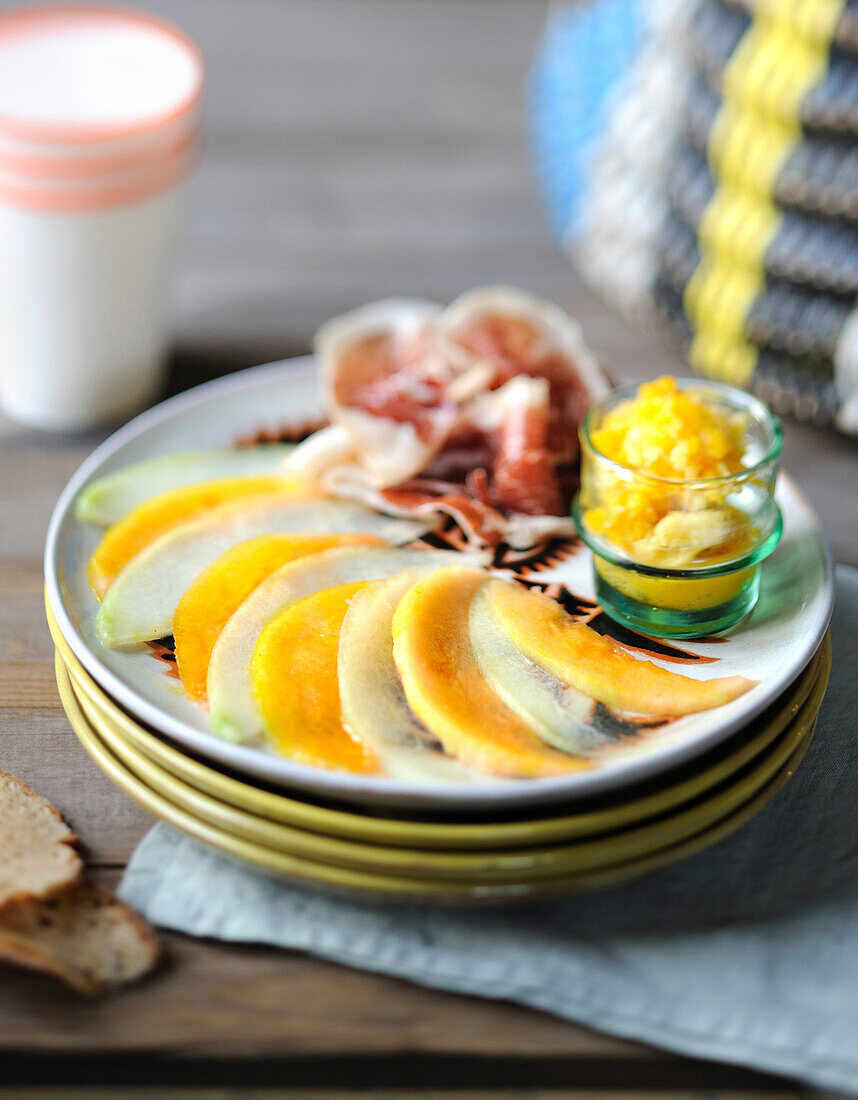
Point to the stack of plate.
(669, 794)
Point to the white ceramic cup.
(83, 335)
(91, 174)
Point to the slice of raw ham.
(516, 333)
(521, 476)
(385, 385)
(471, 412)
(419, 497)
(480, 521)
(524, 476)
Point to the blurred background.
(356, 149)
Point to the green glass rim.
(744, 402)
(721, 569)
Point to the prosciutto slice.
(481, 523)
(385, 385)
(516, 334)
(524, 478)
(470, 412)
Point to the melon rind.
(373, 702)
(110, 498)
(140, 604)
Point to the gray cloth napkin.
(747, 953)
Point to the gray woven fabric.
(747, 953)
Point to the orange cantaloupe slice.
(295, 683)
(446, 689)
(371, 696)
(140, 604)
(221, 589)
(148, 522)
(577, 655)
(110, 498)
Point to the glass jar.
(683, 555)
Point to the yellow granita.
(666, 432)
(673, 433)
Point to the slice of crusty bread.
(37, 855)
(82, 935)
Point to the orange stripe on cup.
(101, 196)
(153, 140)
(92, 167)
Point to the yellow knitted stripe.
(813, 18)
(754, 133)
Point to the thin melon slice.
(163, 513)
(540, 629)
(110, 498)
(371, 696)
(141, 602)
(234, 712)
(446, 689)
(560, 714)
(219, 590)
(294, 676)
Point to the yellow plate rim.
(397, 832)
(583, 855)
(494, 866)
(399, 887)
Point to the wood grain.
(354, 149)
(28, 685)
(218, 1013)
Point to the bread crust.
(51, 918)
(37, 853)
(83, 935)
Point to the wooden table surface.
(355, 148)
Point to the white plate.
(772, 646)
